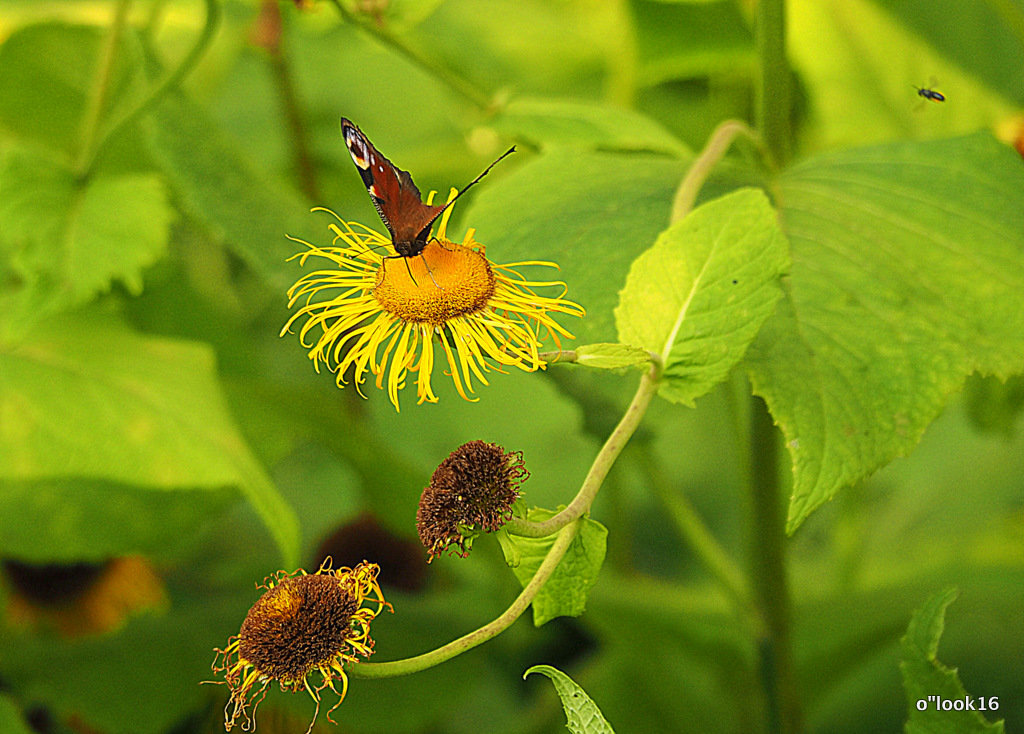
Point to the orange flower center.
(448, 280)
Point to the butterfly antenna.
(486, 170)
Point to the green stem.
(169, 82)
(565, 523)
(101, 89)
(458, 84)
(768, 572)
(280, 67)
(483, 634)
(772, 102)
(703, 543)
(716, 147)
(603, 462)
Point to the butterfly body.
(394, 195)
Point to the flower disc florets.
(474, 488)
(301, 626)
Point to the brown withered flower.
(471, 491)
(304, 626)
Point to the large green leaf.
(88, 398)
(63, 240)
(221, 187)
(698, 297)
(47, 72)
(705, 39)
(931, 686)
(863, 93)
(592, 213)
(907, 275)
(552, 123)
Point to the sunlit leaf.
(62, 240)
(907, 275)
(552, 123)
(698, 297)
(87, 397)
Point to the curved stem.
(169, 82)
(458, 84)
(101, 89)
(580, 504)
(702, 542)
(483, 634)
(716, 147)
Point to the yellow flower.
(302, 625)
(383, 315)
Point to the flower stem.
(101, 89)
(90, 154)
(281, 69)
(716, 147)
(768, 574)
(458, 84)
(772, 98)
(566, 524)
(703, 543)
(603, 462)
(483, 634)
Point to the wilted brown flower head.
(302, 625)
(474, 490)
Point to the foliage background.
(140, 313)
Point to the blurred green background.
(149, 410)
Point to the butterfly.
(394, 194)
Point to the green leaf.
(612, 356)
(706, 39)
(850, 40)
(699, 296)
(222, 188)
(64, 241)
(931, 686)
(907, 275)
(592, 213)
(552, 123)
(47, 72)
(565, 593)
(581, 714)
(74, 519)
(88, 398)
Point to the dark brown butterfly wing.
(392, 192)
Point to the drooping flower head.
(300, 632)
(472, 490)
(384, 315)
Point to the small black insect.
(929, 94)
